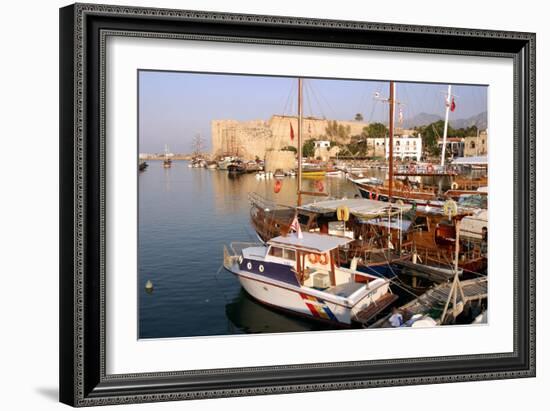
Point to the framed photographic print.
(261, 204)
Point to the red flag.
(295, 225)
(291, 131)
(453, 104)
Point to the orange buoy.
(313, 258)
(278, 185)
(323, 259)
(430, 168)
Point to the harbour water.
(186, 215)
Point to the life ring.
(278, 185)
(430, 168)
(342, 213)
(450, 208)
(313, 258)
(323, 259)
(454, 186)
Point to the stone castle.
(251, 139)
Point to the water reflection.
(249, 316)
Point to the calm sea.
(186, 215)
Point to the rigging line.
(363, 96)
(328, 104)
(308, 99)
(288, 105)
(318, 102)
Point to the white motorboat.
(299, 274)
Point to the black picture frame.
(83, 29)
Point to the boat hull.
(302, 303)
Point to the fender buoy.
(313, 258)
(406, 190)
(320, 186)
(371, 195)
(278, 185)
(450, 208)
(430, 168)
(454, 186)
(323, 259)
(376, 194)
(342, 213)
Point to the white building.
(404, 147)
(322, 144)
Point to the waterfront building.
(455, 146)
(476, 145)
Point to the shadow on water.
(249, 316)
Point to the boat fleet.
(345, 261)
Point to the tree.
(337, 131)
(358, 117)
(375, 130)
(308, 149)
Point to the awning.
(319, 243)
(475, 160)
(360, 207)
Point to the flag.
(453, 104)
(291, 131)
(296, 227)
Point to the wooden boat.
(167, 163)
(236, 167)
(301, 275)
(313, 171)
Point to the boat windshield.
(473, 200)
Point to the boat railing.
(237, 247)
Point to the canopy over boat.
(360, 207)
(475, 160)
(318, 243)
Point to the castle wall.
(254, 138)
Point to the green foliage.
(434, 131)
(308, 149)
(375, 130)
(358, 117)
(290, 148)
(335, 131)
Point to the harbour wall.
(251, 139)
(279, 159)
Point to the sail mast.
(299, 141)
(392, 110)
(447, 107)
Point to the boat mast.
(392, 115)
(299, 141)
(447, 107)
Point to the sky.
(176, 106)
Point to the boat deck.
(433, 301)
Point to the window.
(289, 255)
(472, 144)
(276, 252)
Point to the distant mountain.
(479, 120)
(423, 119)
